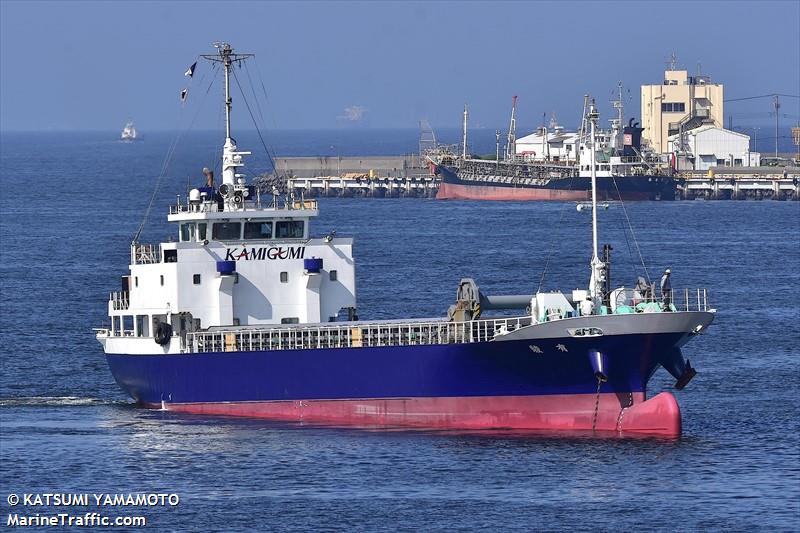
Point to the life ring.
(163, 333)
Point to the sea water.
(71, 203)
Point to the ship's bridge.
(237, 261)
(209, 215)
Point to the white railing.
(678, 299)
(352, 335)
(412, 333)
(145, 254)
(213, 207)
(201, 207)
(119, 300)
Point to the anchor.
(678, 367)
(599, 365)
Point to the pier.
(354, 185)
(732, 183)
(367, 176)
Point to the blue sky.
(91, 65)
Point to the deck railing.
(144, 254)
(119, 300)
(213, 207)
(352, 335)
(678, 299)
(411, 333)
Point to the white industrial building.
(548, 145)
(711, 146)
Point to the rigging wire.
(266, 96)
(253, 90)
(630, 226)
(216, 150)
(255, 123)
(761, 96)
(171, 152)
(266, 105)
(551, 246)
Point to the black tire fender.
(163, 333)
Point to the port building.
(679, 103)
(709, 146)
(548, 145)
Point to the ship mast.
(511, 142)
(598, 268)
(619, 105)
(464, 142)
(231, 158)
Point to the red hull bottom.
(450, 191)
(659, 415)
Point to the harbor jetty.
(360, 176)
(408, 176)
(741, 183)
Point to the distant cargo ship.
(556, 165)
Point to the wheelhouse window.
(201, 231)
(259, 229)
(289, 229)
(187, 232)
(226, 231)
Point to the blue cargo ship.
(246, 313)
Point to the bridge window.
(226, 231)
(187, 232)
(290, 320)
(259, 229)
(201, 231)
(289, 229)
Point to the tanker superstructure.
(554, 164)
(248, 314)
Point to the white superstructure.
(235, 261)
(128, 132)
(709, 146)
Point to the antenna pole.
(597, 265)
(777, 105)
(497, 149)
(592, 121)
(464, 141)
(225, 52)
(231, 158)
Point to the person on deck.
(209, 174)
(666, 290)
